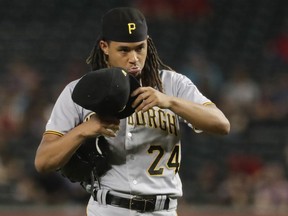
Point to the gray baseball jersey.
(146, 152)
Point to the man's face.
(130, 56)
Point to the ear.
(104, 46)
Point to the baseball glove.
(89, 160)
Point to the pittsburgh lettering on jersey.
(155, 118)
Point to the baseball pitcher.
(141, 148)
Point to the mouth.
(134, 71)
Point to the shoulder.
(174, 83)
(70, 86)
(66, 92)
(173, 76)
(167, 73)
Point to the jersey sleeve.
(65, 114)
(186, 89)
(183, 87)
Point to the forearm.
(205, 117)
(55, 151)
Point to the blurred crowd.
(246, 169)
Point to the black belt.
(137, 203)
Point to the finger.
(110, 126)
(108, 132)
(113, 127)
(138, 91)
(140, 98)
(148, 105)
(145, 105)
(139, 108)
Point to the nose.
(133, 58)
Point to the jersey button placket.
(129, 144)
(129, 135)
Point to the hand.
(105, 126)
(149, 97)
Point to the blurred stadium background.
(236, 51)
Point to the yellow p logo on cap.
(131, 27)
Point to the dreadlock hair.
(150, 75)
(97, 58)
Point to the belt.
(138, 203)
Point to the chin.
(136, 75)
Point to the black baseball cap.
(106, 92)
(124, 24)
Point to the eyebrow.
(133, 47)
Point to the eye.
(124, 49)
(139, 49)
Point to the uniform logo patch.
(131, 27)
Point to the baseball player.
(145, 150)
